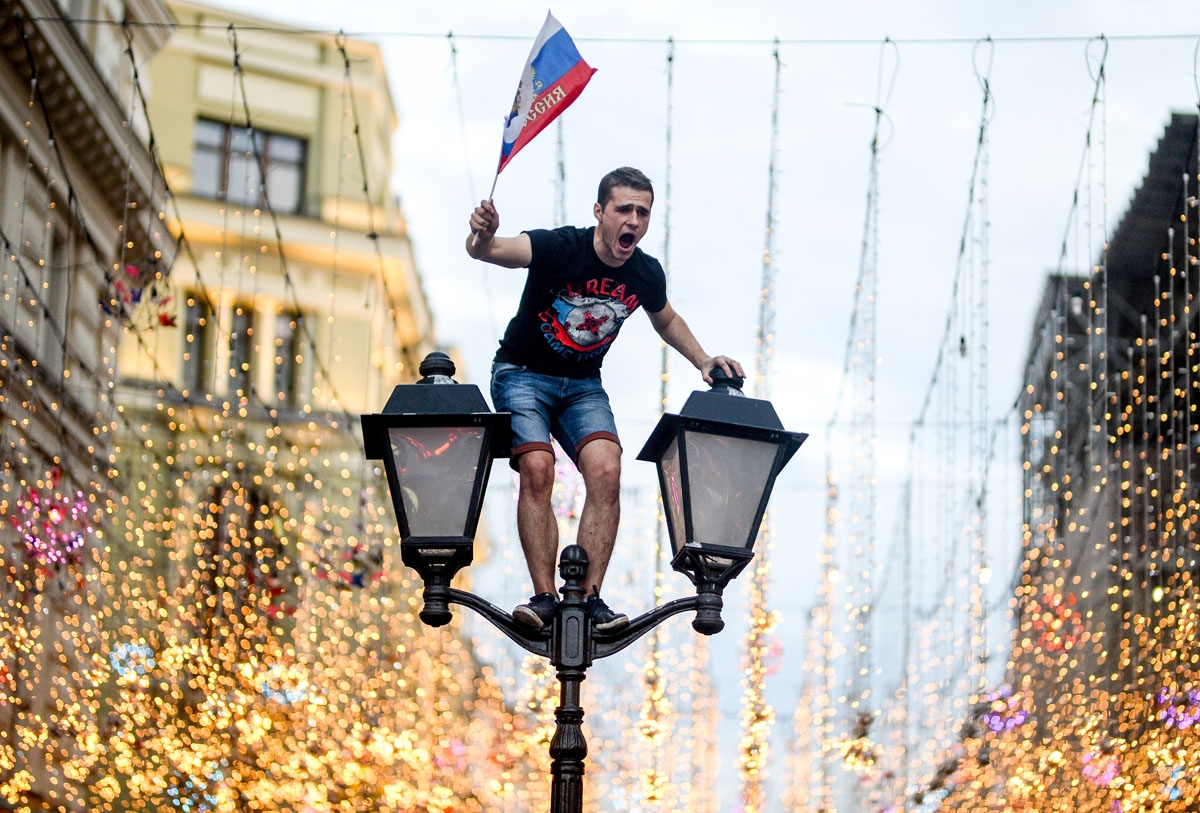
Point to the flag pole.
(491, 195)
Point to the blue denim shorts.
(574, 411)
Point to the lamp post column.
(571, 658)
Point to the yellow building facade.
(317, 255)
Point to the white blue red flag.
(554, 76)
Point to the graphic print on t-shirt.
(580, 325)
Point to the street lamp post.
(717, 461)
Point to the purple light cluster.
(1180, 710)
(52, 528)
(1004, 714)
(1101, 768)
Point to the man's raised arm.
(676, 333)
(483, 244)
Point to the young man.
(581, 286)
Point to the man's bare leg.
(600, 465)
(536, 524)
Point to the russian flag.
(554, 76)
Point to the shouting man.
(581, 286)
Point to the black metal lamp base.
(571, 644)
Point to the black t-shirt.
(573, 305)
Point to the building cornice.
(87, 120)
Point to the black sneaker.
(603, 619)
(538, 612)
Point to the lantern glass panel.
(727, 479)
(672, 491)
(436, 468)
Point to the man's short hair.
(624, 176)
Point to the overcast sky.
(1041, 78)
(1042, 75)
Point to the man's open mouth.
(626, 240)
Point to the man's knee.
(600, 464)
(537, 473)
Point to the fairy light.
(1103, 646)
(540, 701)
(825, 650)
(758, 715)
(858, 751)
(848, 550)
(801, 755)
(53, 527)
(656, 719)
(656, 715)
(945, 629)
(705, 734)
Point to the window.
(241, 350)
(289, 358)
(225, 166)
(197, 347)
